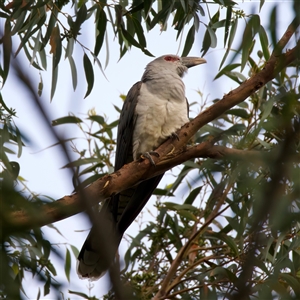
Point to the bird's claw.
(148, 156)
(174, 135)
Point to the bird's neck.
(165, 85)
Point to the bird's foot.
(148, 156)
(174, 135)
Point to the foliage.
(235, 233)
(59, 24)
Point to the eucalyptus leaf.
(89, 74)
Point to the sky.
(41, 165)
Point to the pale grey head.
(170, 63)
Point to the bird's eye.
(171, 58)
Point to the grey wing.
(126, 127)
(124, 144)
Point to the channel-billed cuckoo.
(154, 109)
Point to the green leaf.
(68, 264)
(218, 24)
(267, 108)
(213, 37)
(98, 64)
(19, 142)
(252, 28)
(85, 296)
(193, 194)
(236, 76)
(264, 42)
(74, 250)
(229, 241)
(255, 22)
(81, 161)
(129, 25)
(36, 46)
(178, 21)
(55, 42)
(80, 18)
(47, 285)
(129, 38)
(188, 215)
(238, 112)
(227, 23)
(235, 129)
(230, 40)
(5, 107)
(131, 41)
(261, 4)
(161, 16)
(292, 282)
(19, 22)
(219, 272)
(263, 143)
(73, 72)
(226, 70)
(89, 74)
(99, 119)
(70, 47)
(33, 23)
(189, 41)
(91, 168)
(51, 268)
(7, 47)
(210, 38)
(66, 120)
(139, 32)
(118, 16)
(233, 224)
(3, 15)
(170, 205)
(162, 192)
(91, 179)
(185, 207)
(34, 64)
(100, 30)
(54, 78)
(51, 24)
(246, 44)
(43, 58)
(107, 50)
(46, 248)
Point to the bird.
(154, 109)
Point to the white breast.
(158, 116)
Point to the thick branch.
(170, 154)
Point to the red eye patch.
(171, 58)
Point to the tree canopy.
(227, 225)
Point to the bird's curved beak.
(192, 61)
